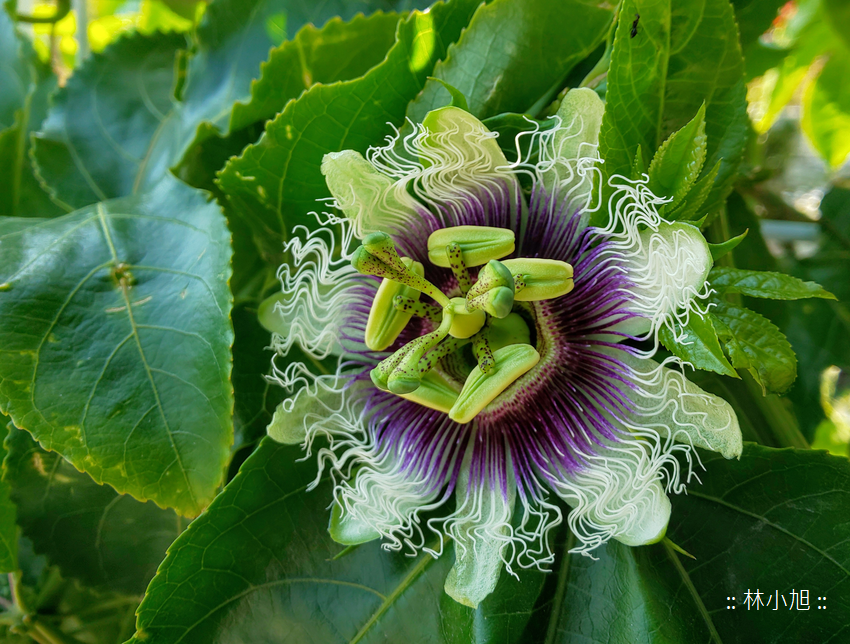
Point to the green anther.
(406, 376)
(386, 321)
(455, 255)
(479, 244)
(544, 279)
(466, 322)
(480, 389)
(368, 264)
(498, 302)
(435, 392)
(381, 246)
(419, 309)
(510, 330)
(493, 275)
(483, 352)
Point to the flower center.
(486, 316)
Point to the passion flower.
(493, 347)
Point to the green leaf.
(764, 284)
(115, 341)
(515, 53)
(678, 162)
(338, 51)
(15, 72)
(26, 83)
(235, 37)
(769, 522)
(724, 248)
(754, 17)
(8, 525)
(826, 109)
(752, 342)
(697, 344)
(93, 534)
(260, 563)
(275, 183)
(814, 40)
(684, 54)
(255, 398)
(99, 139)
(629, 595)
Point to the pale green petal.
(481, 533)
(369, 198)
(668, 266)
(574, 147)
(669, 403)
(651, 523)
(617, 494)
(461, 159)
(309, 405)
(349, 530)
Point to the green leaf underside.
(514, 53)
(699, 346)
(105, 540)
(8, 526)
(768, 522)
(88, 301)
(764, 284)
(684, 53)
(275, 183)
(753, 342)
(260, 563)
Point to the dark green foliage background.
(143, 206)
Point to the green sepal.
(678, 162)
(458, 99)
(724, 248)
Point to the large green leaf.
(235, 37)
(769, 522)
(26, 83)
(338, 51)
(753, 342)
(683, 53)
(260, 563)
(15, 72)
(765, 284)
(115, 341)
(95, 535)
(826, 113)
(629, 595)
(8, 527)
(514, 54)
(99, 140)
(275, 183)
